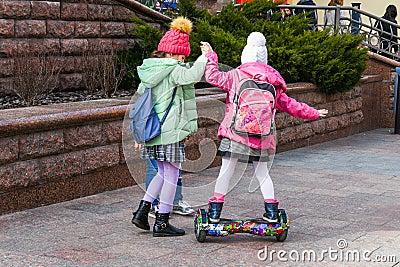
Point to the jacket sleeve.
(296, 109)
(183, 76)
(215, 77)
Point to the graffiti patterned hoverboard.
(203, 227)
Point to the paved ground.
(343, 198)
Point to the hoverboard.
(203, 227)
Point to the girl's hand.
(323, 112)
(205, 48)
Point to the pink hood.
(259, 72)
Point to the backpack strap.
(238, 78)
(169, 106)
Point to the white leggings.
(260, 169)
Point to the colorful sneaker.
(153, 211)
(183, 208)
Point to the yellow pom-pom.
(182, 24)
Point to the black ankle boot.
(163, 228)
(141, 216)
(214, 211)
(271, 212)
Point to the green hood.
(153, 71)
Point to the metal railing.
(142, 9)
(356, 21)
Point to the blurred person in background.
(388, 37)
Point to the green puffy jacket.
(162, 75)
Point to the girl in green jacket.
(162, 74)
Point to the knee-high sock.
(262, 173)
(171, 174)
(225, 174)
(154, 188)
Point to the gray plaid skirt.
(233, 149)
(169, 153)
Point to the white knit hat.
(255, 50)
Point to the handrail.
(144, 10)
(365, 25)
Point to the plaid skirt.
(169, 153)
(233, 149)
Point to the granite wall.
(64, 28)
(60, 152)
(384, 67)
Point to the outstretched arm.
(212, 74)
(182, 75)
(298, 109)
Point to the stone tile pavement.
(343, 198)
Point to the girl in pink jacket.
(236, 147)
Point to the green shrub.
(338, 64)
(334, 63)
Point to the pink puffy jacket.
(259, 72)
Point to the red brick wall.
(48, 158)
(65, 27)
(384, 95)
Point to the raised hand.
(205, 48)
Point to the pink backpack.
(254, 108)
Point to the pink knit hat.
(176, 40)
